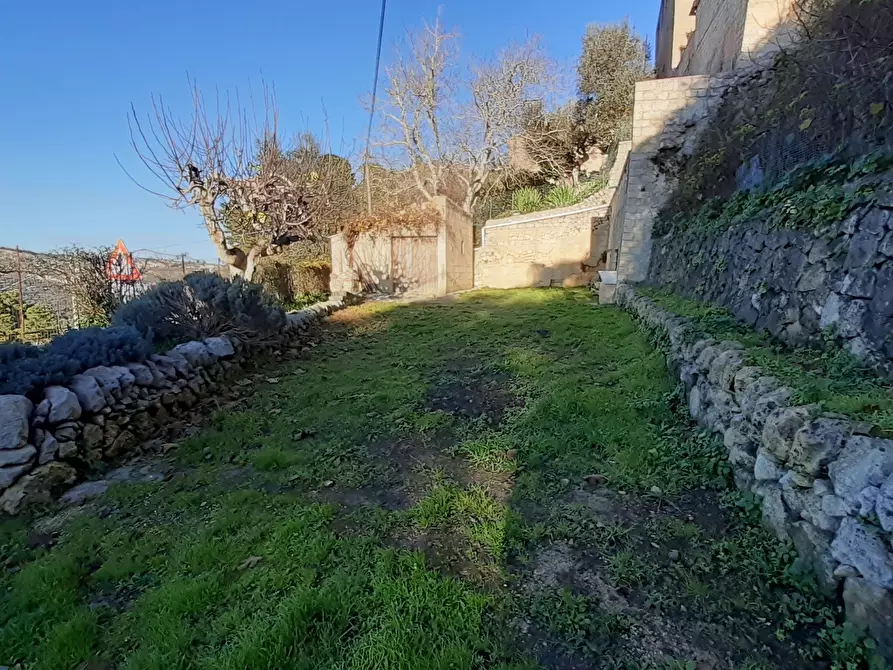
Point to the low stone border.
(824, 482)
(102, 413)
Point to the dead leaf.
(272, 380)
(169, 447)
(251, 562)
(276, 411)
(877, 108)
(244, 382)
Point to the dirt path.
(501, 481)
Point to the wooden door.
(414, 265)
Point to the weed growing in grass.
(627, 568)
(577, 621)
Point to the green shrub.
(526, 200)
(561, 196)
(203, 305)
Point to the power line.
(372, 110)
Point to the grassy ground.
(830, 377)
(499, 481)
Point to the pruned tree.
(448, 127)
(614, 58)
(230, 159)
(555, 141)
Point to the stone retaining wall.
(825, 483)
(102, 413)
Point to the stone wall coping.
(536, 217)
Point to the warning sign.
(120, 266)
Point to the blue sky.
(70, 70)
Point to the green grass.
(829, 376)
(246, 558)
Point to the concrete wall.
(367, 267)
(558, 247)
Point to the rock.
(765, 468)
(870, 608)
(67, 432)
(595, 480)
(837, 507)
(858, 545)
(705, 358)
(21, 456)
(882, 303)
(92, 435)
(867, 500)
(37, 487)
(857, 284)
(49, 447)
(781, 426)
(852, 315)
(723, 369)
(814, 551)
(768, 403)
(863, 247)
(775, 515)
(818, 443)
(831, 311)
(64, 404)
(10, 474)
(121, 444)
(88, 392)
(108, 380)
(744, 378)
(15, 421)
(142, 375)
(84, 492)
(814, 276)
(220, 347)
(863, 462)
(673, 555)
(884, 505)
(145, 474)
(195, 352)
(822, 487)
(696, 404)
(67, 450)
(886, 246)
(41, 412)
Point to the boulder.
(142, 375)
(723, 369)
(21, 456)
(123, 443)
(92, 436)
(64, 404)
(870, 608)
(818, 443)
(744, 378)
(220, 347)
(88, 392)
(37, 487)
(835, 506)
(15, 421)
(170, 366)
(863, 462)
(126, 380)
(768, 403)
(741, 436)
(67, 432)
(780, 428)
(195, 352)
(775, 514)
(858, 545)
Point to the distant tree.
(224, 160)
(448, 127)
(614, 58)
(555, 141)
(38, 319)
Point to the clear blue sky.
(69, 71)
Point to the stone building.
(711, 36)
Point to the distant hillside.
(41, 286)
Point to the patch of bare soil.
(472, 392)
(642, 605)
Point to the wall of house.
(459, 247)
(552, 248)
(674, 24)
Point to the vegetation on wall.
(810, 197)
(530, 199)
(829, 93)
(829, 376)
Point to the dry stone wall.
(824, 482)
(103, 413)
(796, 283)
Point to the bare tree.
(228, 159)
(449, 127)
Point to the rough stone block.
(15, 421)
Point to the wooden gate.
(414, 265)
